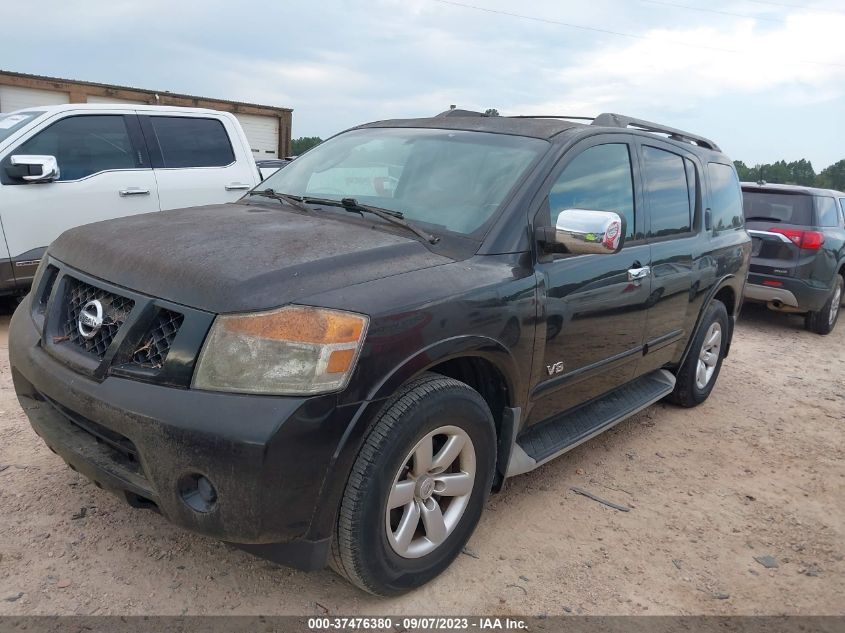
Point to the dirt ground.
(757, 470)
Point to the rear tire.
(823, 321)
(401, 479)
(697, 376)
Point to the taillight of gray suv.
(798, 252)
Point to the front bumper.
(791, 293)
(268, 457)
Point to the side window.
(725, 197)
(84, 145)
(826, 211)
(842, 204)
(599, 178)
(192, 142)
(668, 192)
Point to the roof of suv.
(774, 187)
(545, 127)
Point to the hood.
(238, 257)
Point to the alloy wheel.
(708, 357)
(430, 492)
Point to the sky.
(765, 80)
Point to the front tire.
(418, 487)
(823, 321)
(698, 374)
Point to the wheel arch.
(725, 291)
(481, 362)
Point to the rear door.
(776, 220)
(197, 159)
(671, 185)
(104, 173)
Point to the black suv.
(340, 367)
(798, 250)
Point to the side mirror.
(585, 232)
(34, 168)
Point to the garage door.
(262, 132)
(13, 98)
(96, 99)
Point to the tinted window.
(667, 191)
(84, 145)
(192, 142)
(599, 178)
(826, 211)
(788, 208)
(725, 197)
(694, 186)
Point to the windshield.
(452, 180)
(14, 121)
(788, 208)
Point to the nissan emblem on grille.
(90, 318)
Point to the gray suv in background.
(798, 250)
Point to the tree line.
(797, 172)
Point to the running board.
(547, 440)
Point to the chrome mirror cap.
(49, 166)
(584, 231)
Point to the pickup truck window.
(725, 197)
(84, 145)
(450, 179)
(599, 178)
(667, 190)
(192, 142)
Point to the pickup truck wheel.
(823, 321)
(417, 488)
(698, 374)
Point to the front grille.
(115, 311)
(156, 343)
(50, 276)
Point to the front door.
(195, 162)
(592, 313)
(102, 175)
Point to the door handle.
(236, 186)
(133, 191)
(638, 274)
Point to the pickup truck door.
(679, 273)
(104, 172)
(592, 307)
(198, 159)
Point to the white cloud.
(659, 72)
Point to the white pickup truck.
(66, 165)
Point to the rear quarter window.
(826, 211)
(725, 198)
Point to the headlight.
(293, 350)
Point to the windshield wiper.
(293, 201)
(761, 218)
(394, 217)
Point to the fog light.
(198, 493)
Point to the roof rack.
(551, 116)
(609, 119)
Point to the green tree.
(491, 112)
(303, 144)
(832, 177)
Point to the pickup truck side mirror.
(584, 232)
(33, 168)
